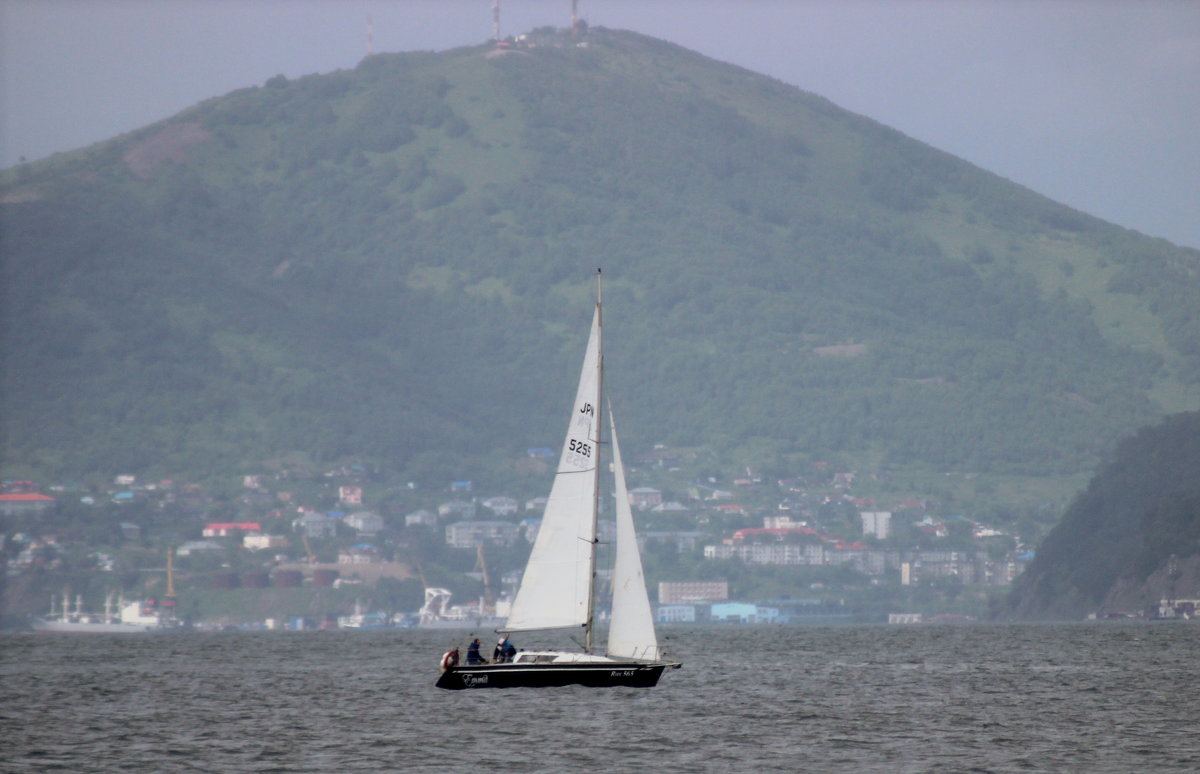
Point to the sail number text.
(580, 448)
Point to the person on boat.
(450, 658)
(473, 656)
(504, 651)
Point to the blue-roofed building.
(734, 612)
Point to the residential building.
(469, 534)
(24, 502)
(421, 518)
(501, 506)
(365, 522)
(676, 614)
(692, 592)
(457, 509)
(315, 525)
(264, 542)
(784, 554)
(644, 498)
(683, 542)
(877, 524)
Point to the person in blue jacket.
(473, 656)
(504, 651)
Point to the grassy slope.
(298, 281)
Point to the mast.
(169, 601)
(591, 609)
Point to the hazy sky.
(1093, 103)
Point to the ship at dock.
(118, 617)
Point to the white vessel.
(557, 589)
(119, 617)
(360, 619)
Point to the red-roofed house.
(24, 502)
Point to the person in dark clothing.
(473, 656)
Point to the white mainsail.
(556, 590)
(631, 629)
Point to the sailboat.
(557, 590)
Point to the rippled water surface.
(1079, 698)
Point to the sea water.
(1098, 697)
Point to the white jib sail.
(631, 630)
(556, 588)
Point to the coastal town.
(302, 547)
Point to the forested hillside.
(394, 263)
(1128, 540)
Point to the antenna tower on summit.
(496, 20)
(578, 25)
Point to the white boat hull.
(44, 626)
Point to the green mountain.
(395, 264)
(1131, 538)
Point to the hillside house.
(457, 509)
(264, 542)
(315, 525)
(470, 534)
(643, 498)
(501, 506)
(421, 518)
(682, 542)
(13, 504)
(365, 522)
